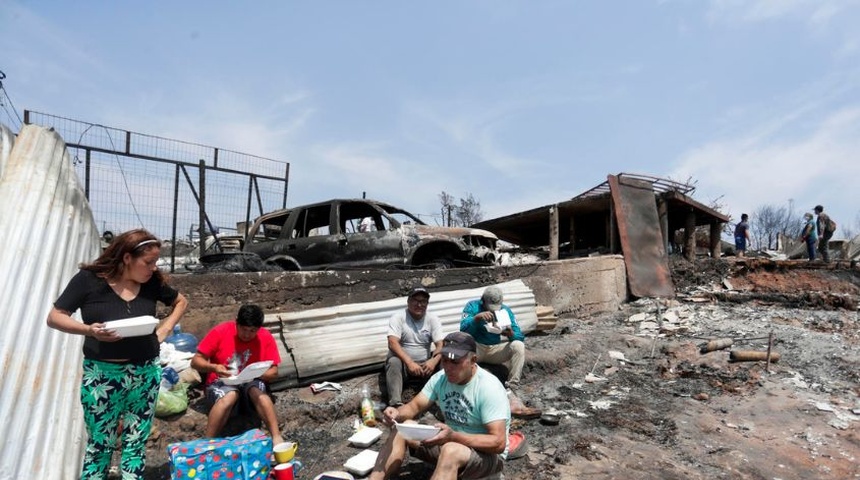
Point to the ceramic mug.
(285, 451)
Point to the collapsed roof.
(634, 214)
(587, 216)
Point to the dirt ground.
(667, 410)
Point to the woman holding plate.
(121, 375)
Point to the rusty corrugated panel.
(641, 240)
(46, 231)
(329, 340)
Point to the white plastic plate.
(133, 327)
(249, 373)
(416, 431)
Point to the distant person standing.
(826, 227)
(809, 235)
(742, 235)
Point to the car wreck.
(344, 234)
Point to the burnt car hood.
(433, 231)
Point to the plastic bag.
(169, 378)
(172, 401)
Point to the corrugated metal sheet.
(7, 139)
(346, 337)
(639, 230)
(46, 229)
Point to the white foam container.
(365, 437)
(362, 463)
(248, 373)
(416, 431)
(134, 326)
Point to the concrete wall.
(578, 286)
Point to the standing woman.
(120, 375)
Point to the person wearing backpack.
(826, 227)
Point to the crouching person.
(473, 441)
(227, 349)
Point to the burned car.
(345, 234)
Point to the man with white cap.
(411, 333)
(494, 327)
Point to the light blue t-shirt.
(467, 408)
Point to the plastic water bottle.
(184, 342)
(367, 415)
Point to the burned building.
(636, 215)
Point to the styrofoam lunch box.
(365, 437)
(248, 373)
(134, 326)
(362, 463)
(416, 431)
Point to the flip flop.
(517, 445)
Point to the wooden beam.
(663, 215)
(690, 236)
(553, 232)
(716, 228)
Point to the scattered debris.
(676, 414)
(717, 344)
(752, 356)
(325, 386)
(546, 319)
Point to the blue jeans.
(810, 248)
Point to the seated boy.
(227, 349)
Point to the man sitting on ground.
(473, 441)
(226, 350)
(494, 326)
(411, 333)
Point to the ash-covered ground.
(666, 410)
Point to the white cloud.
(815, 11)
(766, 167)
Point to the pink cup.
(284, 471)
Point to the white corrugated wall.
(46, 230)
(327, 340)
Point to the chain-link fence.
(177, 190)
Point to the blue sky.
(521, 104)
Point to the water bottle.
(184, 342)
(367, 415)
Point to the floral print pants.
(114, 393)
